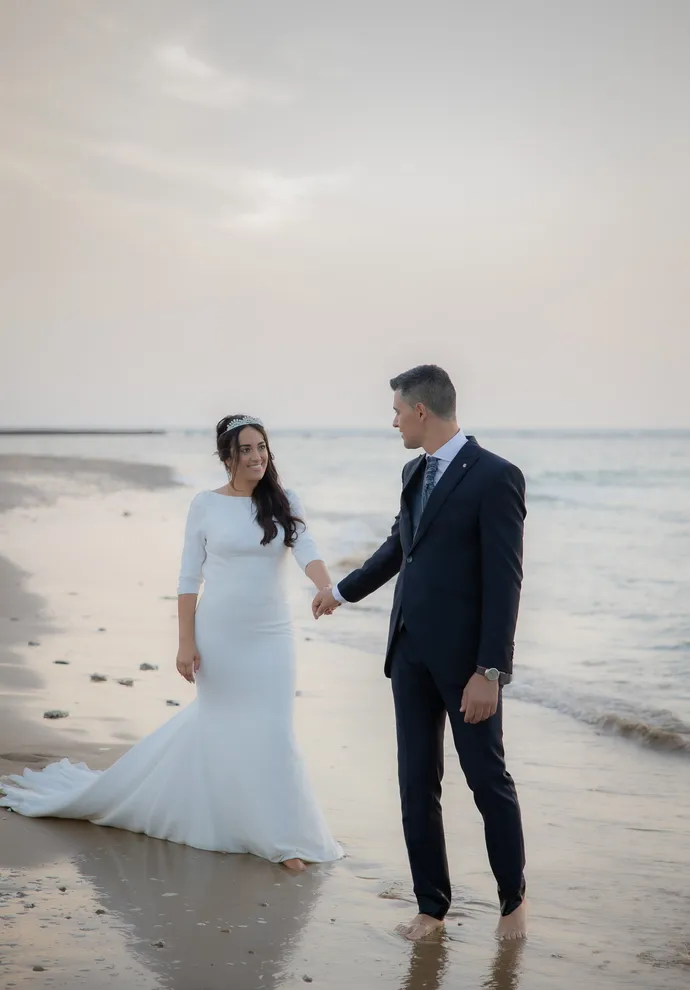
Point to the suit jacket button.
(409, 560)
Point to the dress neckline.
(245, 498)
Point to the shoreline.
(78, 431)
(606, 829)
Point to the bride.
(225, 773)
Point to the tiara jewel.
(242, 421)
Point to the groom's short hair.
(430, 385)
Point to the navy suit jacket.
(460, 574)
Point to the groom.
(456, 545)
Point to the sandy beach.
(90, 554)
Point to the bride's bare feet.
(296, 865)
(420, 927)
(513, 925)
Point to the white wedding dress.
(225, 773)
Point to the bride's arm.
(193, 557)
(317, 572)
(305, 551)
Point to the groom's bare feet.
(295, 865)
(513, 925)
(422, 926)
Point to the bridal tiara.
(242, 421)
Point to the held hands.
(188, 661)
(479, 699)
(325, 603)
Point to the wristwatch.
(492, 674)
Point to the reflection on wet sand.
(505, 969)
(429, 965)
(224, 920)
(195, 919)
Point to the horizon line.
(166, 430)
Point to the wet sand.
(606, 821)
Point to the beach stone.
(126, 514)
(148, 666)
(39, 969)
(308, 979)
(102, 629)
(32, 642)
(125, 681)
(55, 713)
(101, 911)
(62, 889)
(62, 663)
(160, 944)
(98, 677)
(173, 704)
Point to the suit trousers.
(423, 698)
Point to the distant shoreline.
(40, 432)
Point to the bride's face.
(252, 457)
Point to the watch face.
(492, 674)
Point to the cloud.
(247, 199)
(189, 79)
(278, 199)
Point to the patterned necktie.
(429, 479)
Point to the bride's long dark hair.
(271, 503)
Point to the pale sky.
(272, 207)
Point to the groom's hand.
(324, 603)
(479, 699)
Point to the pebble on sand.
(173, 704)
(148, 666)
(102, 629)
(126, 681)
(39, 969)
(63, 663)
(158, 945)
(55, 713)
(98, 677)
(32, 642)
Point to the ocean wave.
(657, 728)
(612, 477)
(650, 735)
(351, 561)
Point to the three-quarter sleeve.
(304, 548)
(194, 549)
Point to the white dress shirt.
(445, 455)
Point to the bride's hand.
(188, 661)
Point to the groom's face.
(409, 421)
